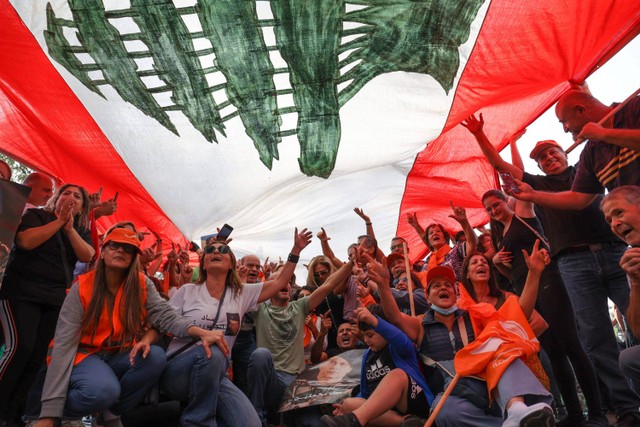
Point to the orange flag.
(502, 336)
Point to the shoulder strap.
(463, 331)
(538, 235)
(213, 325)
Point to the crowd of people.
(94, 325)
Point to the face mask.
(445, 311)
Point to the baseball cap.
(394, 256)
(123, 235)
(541, 145)
(440, 271)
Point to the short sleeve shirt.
(194, 302)
(279, 330)
(609, 166)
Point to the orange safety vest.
(110, 332)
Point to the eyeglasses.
(320, 273)
(493, 206)
(114, 246)
(223, 249)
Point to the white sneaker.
(538, 415)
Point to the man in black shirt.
(588, 255)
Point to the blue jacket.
(404, 356)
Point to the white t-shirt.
(194, 302)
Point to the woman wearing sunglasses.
(218, 301)
(102, 359)
(48, 243)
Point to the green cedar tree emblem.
(421, 36)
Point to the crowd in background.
(133, 326)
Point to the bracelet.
(293, 258)
(366, 280)
(367, 223)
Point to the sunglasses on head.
(114, 246)
(223, 249)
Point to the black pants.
(28, 329)
(563, 346)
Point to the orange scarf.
(437, 258)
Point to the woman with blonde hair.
(48, 243)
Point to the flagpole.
(607, 117)
(447, 392)
(409, 280)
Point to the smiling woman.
(217, 301)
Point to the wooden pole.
(409, 281)
(607, 117)
(447, 392)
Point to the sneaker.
(538, 415)
(630, 419)
(346, 420)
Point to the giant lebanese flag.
(272, 114)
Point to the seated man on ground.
(392, 387)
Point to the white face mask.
(445, 311)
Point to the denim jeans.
(108, 381)
(242, 349)
(211, 397)
(591, 278)
(267, 385)
(517, 380)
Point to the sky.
(613, 82)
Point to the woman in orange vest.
(101, 358)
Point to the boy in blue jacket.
(392, 387)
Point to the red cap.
(440, 271)
(394, 256)
(541, 145)
(123, 235)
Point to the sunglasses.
(223, 249)
(114, 246)
(320, 273)
(394, 247)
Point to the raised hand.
(378, 272)
(94, 198)
(459, 213)
(412, 219)
(322, 235)
(364, 315)
(325, 322)
(301, 240)
(538, 259)
(361, 214)
(526, 191)
(473, 124)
